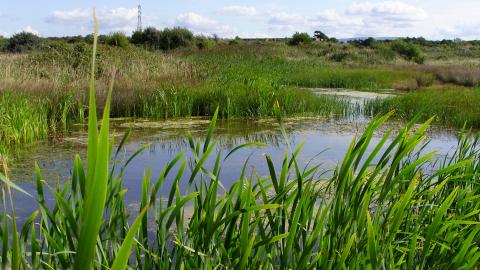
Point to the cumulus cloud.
(284, 18)
(466, 31)
(29, 29)
(201, 24)
(116, 19)
(238, 11)
(360, 19)
(388, 10)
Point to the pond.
(325, 141)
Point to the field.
(387, 204)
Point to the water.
(330, 137)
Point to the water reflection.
(168, 138)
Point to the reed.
(451, 106)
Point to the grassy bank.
(454, 107)
(243, 79)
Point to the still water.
(325, 141)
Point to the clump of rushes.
(384, 207)
(452, 107)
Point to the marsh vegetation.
(390, 202)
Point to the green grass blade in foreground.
(96, 188)
(92, 114)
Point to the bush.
(3, 43)
(300, 38)
(138, 38)
(175, 38)
(409, 51)
(203, 42)
(235, 41)
(23, 42)
(151, 38)
(168, 39)
(118, 39)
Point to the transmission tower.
(139, 21)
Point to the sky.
(433, 19)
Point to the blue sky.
(435, 19)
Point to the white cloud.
(116, 19)
(388, 10)
(465, 31)
(385, 18)
(284, 18)
(201, 24)
(238, 11)
(29, 29)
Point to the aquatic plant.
(455, 107)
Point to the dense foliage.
(23, 42)
(3, 43)
(300, 38)
(409, 51)
(118, 39)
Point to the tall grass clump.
(21, 121)
(351, 78)
(383, 207)
(453, 107)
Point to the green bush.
(118, 39)
(409, 51)
(23, 42)
(237, 40)
(300, 38)
(203, 42)
(167, 39)
(138, 38)
(3, 43)
(175, 38)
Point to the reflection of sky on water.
(331, 136)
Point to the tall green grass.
(383, 207)
(452, 107)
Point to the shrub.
(300, 38)
(23, 42)
(3, 43)
(203, 42)
(409, 51)
(118, 39)
(167, 39)
(151, 38)
(138, 38)
(175, 38)
(235, 41)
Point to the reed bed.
(389, 205)
(452, 106)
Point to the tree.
(138, 38)
(118, 39)
(151, 38)
(22, 42)
(300, 38)
(319, 35)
